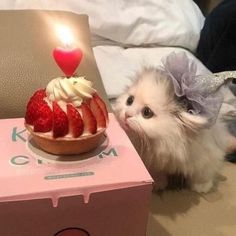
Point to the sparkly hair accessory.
(199, 90)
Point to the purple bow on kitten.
(199, 90)
(174, 118)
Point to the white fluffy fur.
(173, 141)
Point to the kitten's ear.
(193, 122)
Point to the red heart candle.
(67, 59)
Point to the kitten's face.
(150, 107)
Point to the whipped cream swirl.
(70, 90)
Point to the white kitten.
(169, 139)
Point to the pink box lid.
(27, 172)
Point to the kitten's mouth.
(126, 126)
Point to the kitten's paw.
(202, 187)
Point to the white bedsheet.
(127, 34)
(131, 22)
(118, 65)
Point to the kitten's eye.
(147, 113)
(130, 100)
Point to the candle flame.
(65, 34)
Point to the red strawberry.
(76, 123)
(90, 122)
(31, 114)
(43, 125)
(102, 104)
(33, 111)
(44, 122)
(98, 113)
(39, 94)
(33, 106)
(44, 110)
(60, 121)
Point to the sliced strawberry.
(31, 114)
(98, 113)
(43, 125)
(44, 122)
(39, 94)
(102, 104)
(60, 121)
(33, 106)
(76, 124)
(33, 111)
(87, 101)
(44, 110)
(90, 123)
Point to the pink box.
(105, 194)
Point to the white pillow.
(118, 66)
(132, 22)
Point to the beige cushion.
(26, 62)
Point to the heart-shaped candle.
(67, 59)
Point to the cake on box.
(68, 117)
(107, 193)
(68, 168)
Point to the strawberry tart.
(67, 117)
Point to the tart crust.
(67, 145)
